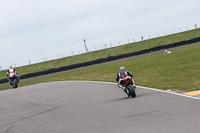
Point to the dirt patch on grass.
(177, 90)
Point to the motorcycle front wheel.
(14, 84)
(131, 91)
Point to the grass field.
(177, 71)
(106, 52)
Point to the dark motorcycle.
(14, 80)
(128, 84)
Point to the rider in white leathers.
(10, 73)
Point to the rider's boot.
(123, 88)
(134, 86)
(120, 86)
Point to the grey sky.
(33, 29)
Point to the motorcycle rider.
(10, 73)
(122, 74)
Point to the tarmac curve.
(95, 107)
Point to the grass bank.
(178, 70)
(106, 52)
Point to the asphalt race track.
(95, 107)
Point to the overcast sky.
(46, 29)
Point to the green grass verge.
(178, 70)
(106, 52)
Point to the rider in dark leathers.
(122, 74)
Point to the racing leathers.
(10, 73)
(122, 74)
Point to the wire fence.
(94, 44)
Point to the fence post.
(0, 68)
(29, 62)
(86, 49)
(195, 26)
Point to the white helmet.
(122, 68)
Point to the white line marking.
(169, 92)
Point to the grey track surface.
(90, 107)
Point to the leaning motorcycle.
(14, 80)
(128, 84)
